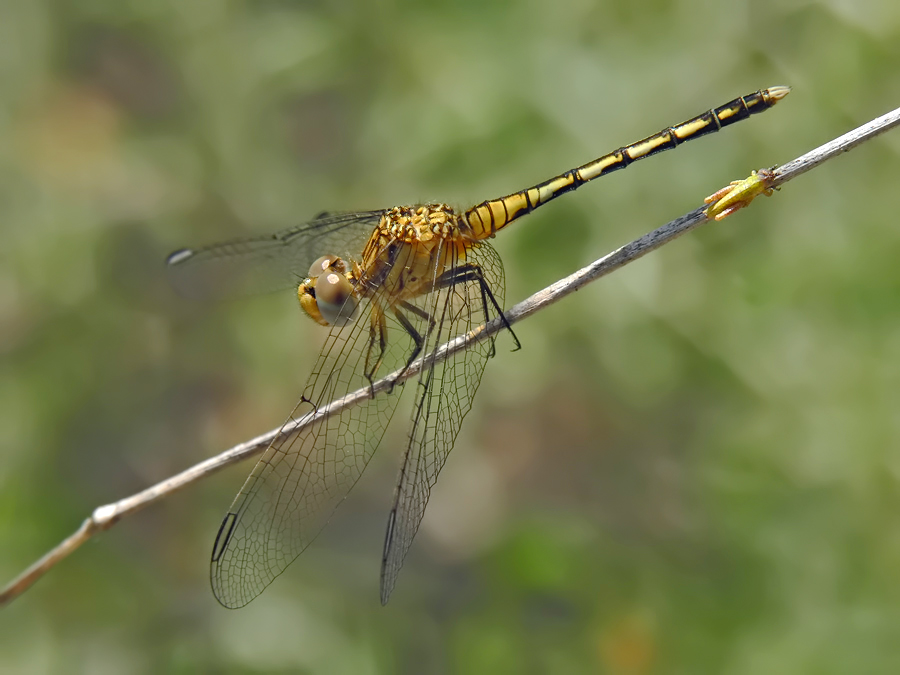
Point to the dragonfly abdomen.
(485, 219)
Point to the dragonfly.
(393, 285)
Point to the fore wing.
(268, 263)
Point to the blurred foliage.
(691, 467)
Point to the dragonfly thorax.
(421, 223)
(326, 295)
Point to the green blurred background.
(691, 467)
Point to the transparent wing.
(472, 294)
(300, 480)
(269, 263)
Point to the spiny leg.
(458, 275)
(472, 272)
(377, 332)
(418, 340)
(421, 313)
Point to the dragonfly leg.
(377, 334)
(470, 272)
(418, 340)
(421, 313)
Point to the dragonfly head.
(326, 295)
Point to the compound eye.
(322, 265)
(335, 299)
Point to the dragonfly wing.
(444, 396)
(302, 478)
(273, 262)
